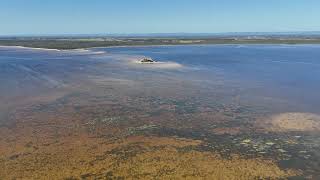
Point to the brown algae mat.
(138, 157)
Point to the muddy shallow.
(97, 114)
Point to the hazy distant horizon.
(168, 34)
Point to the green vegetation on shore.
(76, 43)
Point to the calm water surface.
(286, 72)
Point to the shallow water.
(287, 72)
(236, 99)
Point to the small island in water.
(147, 60)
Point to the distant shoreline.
(87, 49)
(46, 49)
(73, 44)
(163, 45)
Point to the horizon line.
(164, 33)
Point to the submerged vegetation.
(89, 118)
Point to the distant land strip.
(81, 42)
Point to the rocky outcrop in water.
(147, 60)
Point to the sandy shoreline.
(81, 50)
(84, 49)
(23, 47)
(164, 64)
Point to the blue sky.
(157, 16)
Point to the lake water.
(258, 102)
(285, 72)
